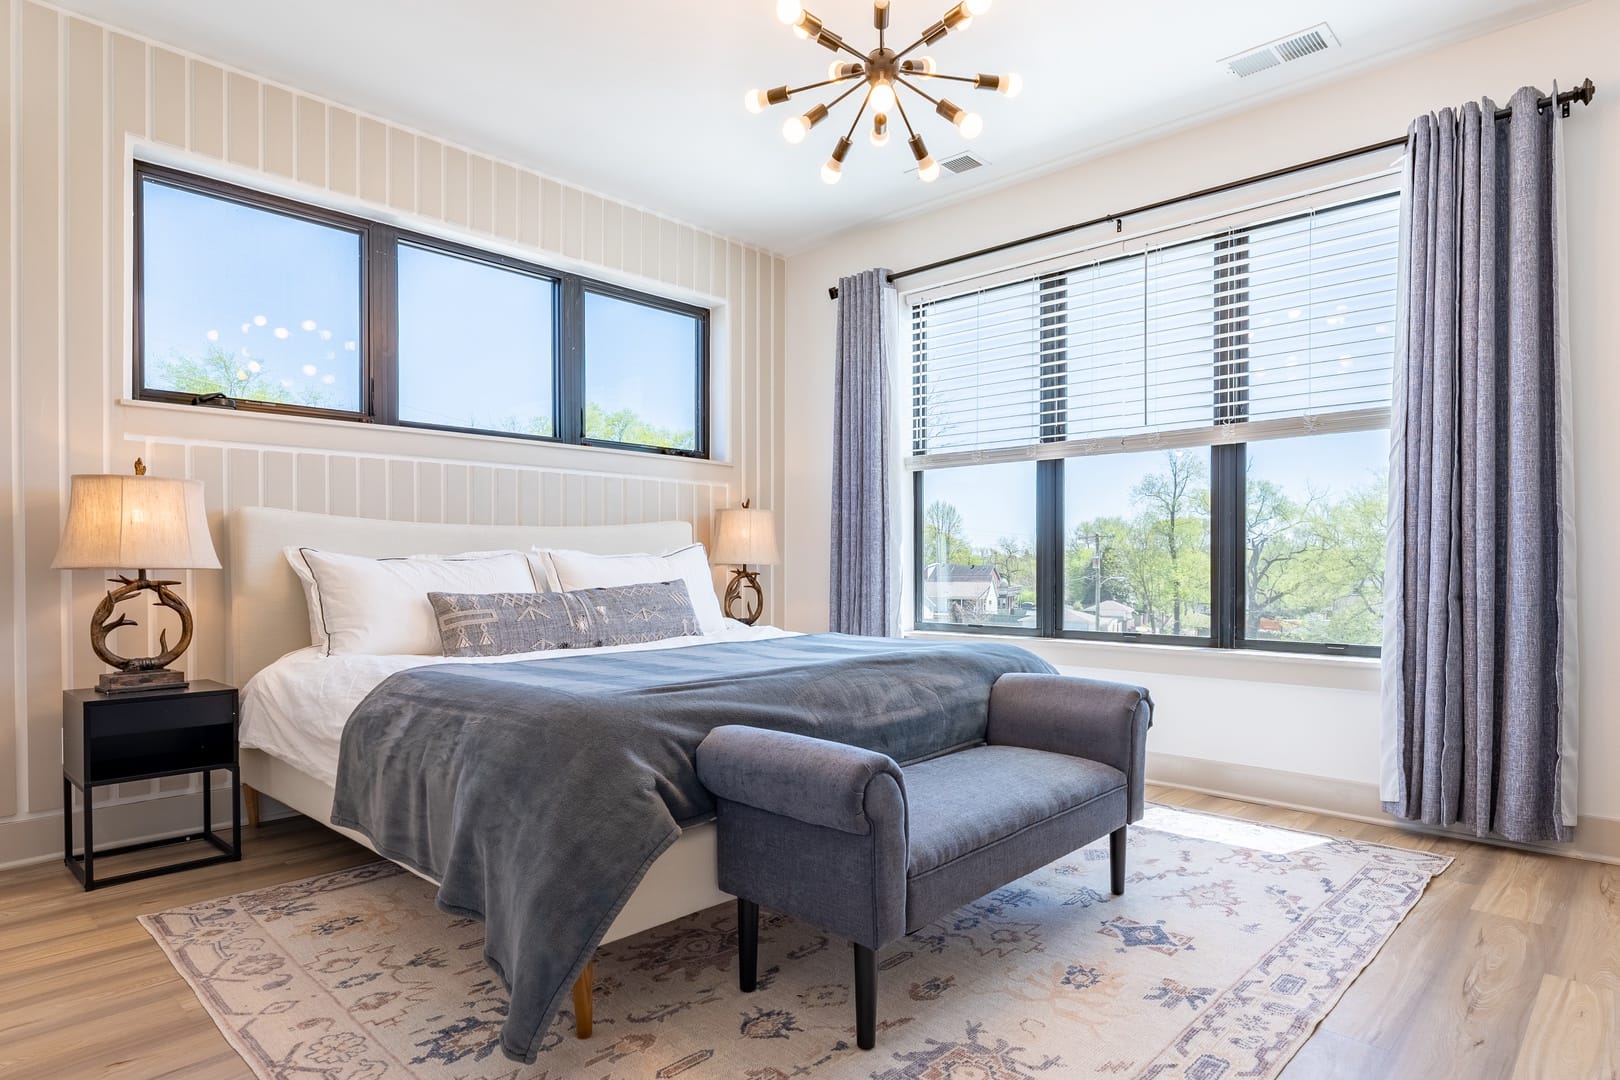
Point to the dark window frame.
(378, 270)
(1228, 481)
(274, 204)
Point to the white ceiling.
(642, 99)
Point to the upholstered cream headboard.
(267, 615)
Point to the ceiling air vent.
(1318, 38)
(961, 163)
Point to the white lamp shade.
(134, 523)
(744, 537)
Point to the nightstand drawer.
(112, 739)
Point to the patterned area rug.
(1232, 941)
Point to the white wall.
(1315, 717)
(76, 101)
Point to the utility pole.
(1096, 592)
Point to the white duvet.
(296, 708)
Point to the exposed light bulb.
(794, 129)
(969, 124)
(927, 167)
(789, 11)
(755, 101)
(923, 65)
(880, 130)
(1011, 85)
(979, 7)
(833, 171)
(882, 99)
(800, 32)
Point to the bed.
(554, 796)
(268, 619)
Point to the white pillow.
(570, 570)
(380, 606)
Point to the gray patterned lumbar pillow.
(499, 624)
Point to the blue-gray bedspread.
(539, 792)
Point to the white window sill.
(1248, 665)
(248, 426)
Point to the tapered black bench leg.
(747, 945)
(865, 997)
(1116, 859)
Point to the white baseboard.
(1596, 838)
(131, 822)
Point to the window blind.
(1264, 330)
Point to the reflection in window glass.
(1316, 508)
(1136, 543)
(978, 545)
(475, 344)
(641, 373)
(248, 303)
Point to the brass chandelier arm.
(928, 37)
(865, 101)
(904, 119)
(839, 100)
(925, 95)
(825, 82)
(856, 53)
(952, 78)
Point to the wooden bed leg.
(250, 803)
(582, 1000)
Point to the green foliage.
(1314, 566)
(524, 425)
(218, 372)
(623, 425)
(942, 536)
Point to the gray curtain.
(863, 580)
(1479, 648)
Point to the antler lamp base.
(142, 672)
(753, 600)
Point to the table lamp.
(136, 522)
(744, 537)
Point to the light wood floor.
(1509, 967)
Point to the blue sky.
(641, 358)
(282, 297)
(474, 342)
(270, 290)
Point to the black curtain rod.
(1582, 93)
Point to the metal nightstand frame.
(83, 865)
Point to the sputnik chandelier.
(881, 73)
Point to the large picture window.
(1200, 430)
(249, 301)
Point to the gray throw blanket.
(538, 792)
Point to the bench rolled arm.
(811, 780)
(813, 829)
(1087, 718)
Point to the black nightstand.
(119, 738)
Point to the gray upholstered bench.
(845, 839)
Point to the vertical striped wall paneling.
(78, 95)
